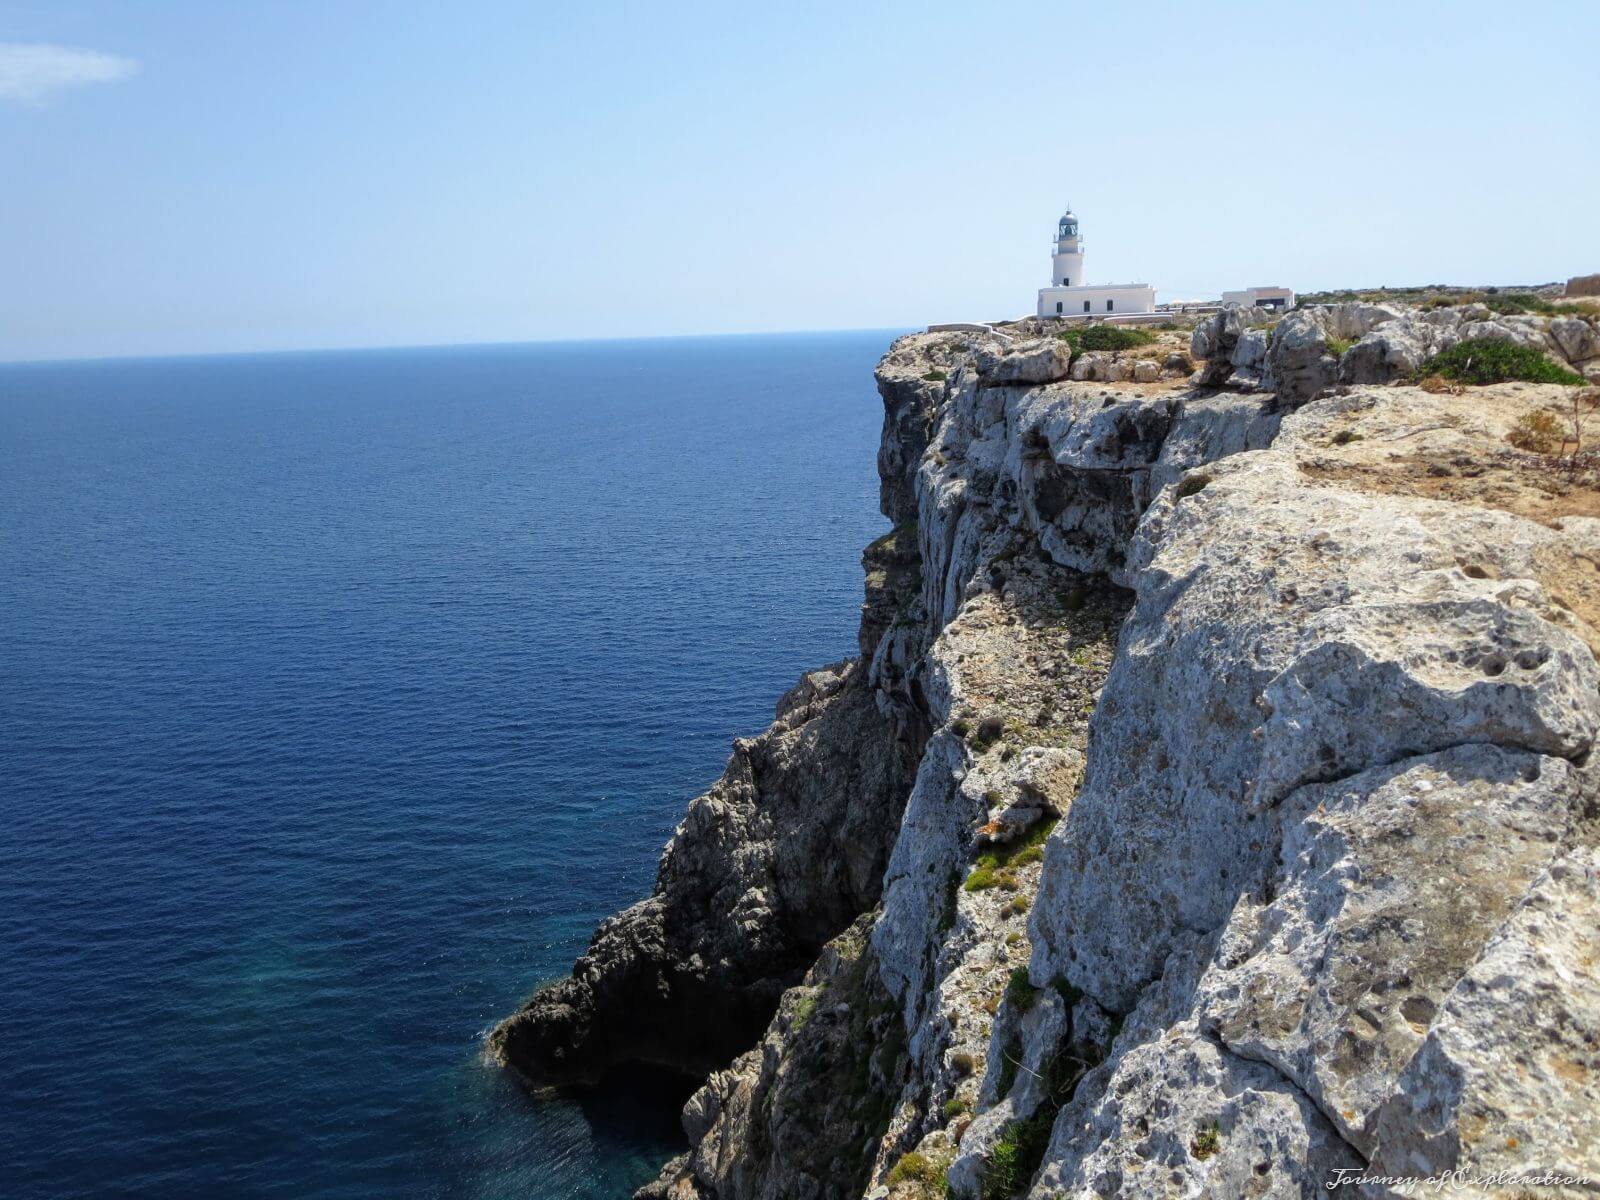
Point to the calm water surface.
(340, 696)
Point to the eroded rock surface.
(1210, 812)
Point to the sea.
(341, 695)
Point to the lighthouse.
(1067, 261)
(1069, 295)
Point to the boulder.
(1386, 355)
(1250, 351)
(1576, 338)
(1214, 341)
(1099, 367)
(1035, 362)
(1298, 361)
(1087, 364)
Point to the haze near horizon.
(189, 178)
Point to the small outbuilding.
(1261, 297)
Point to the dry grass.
(1535, 432)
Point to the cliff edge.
(1211, 810)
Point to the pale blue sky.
(281, 175)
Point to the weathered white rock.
(1508, 1079)
(1250, 351)
(1283, 633)
(1577, 339)
(1035, 362)
(1207, 428)
(1298, 359)
(1173, 1113)
(1390, 883)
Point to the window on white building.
(1058, 306)
(1110, 305)
(1086, 306)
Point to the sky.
(196, 177)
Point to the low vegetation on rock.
(997, 867)
(1105, 337)
(1536, 432)
(1206, 1142)
(1491, 360)
(920, 1170)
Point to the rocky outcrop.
(780, 855)
(802, 1114)
(1313, 350)
(1211, 811)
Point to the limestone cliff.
(1210, 812)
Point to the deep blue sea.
(341, 694)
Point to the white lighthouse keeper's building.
(1069, 296)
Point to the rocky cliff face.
(1210, 812)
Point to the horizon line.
(374, 347)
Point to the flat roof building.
(1261, 297)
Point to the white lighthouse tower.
(1067, 262)
(1069, 295)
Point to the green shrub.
(804, 1009)
(1104, 337)
(1115, 337)
(1337, 346)
(983, 877)
(997, 868)
(1490, 360)
(1206, 1142)
(1015, 1159)
(1019, 991)
(1016, 1156)
(916, 1168)
(954, 1108)
(990, 731)
(1507, 303)
(1193, 484)
(935, 376)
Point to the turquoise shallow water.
(340, 696)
